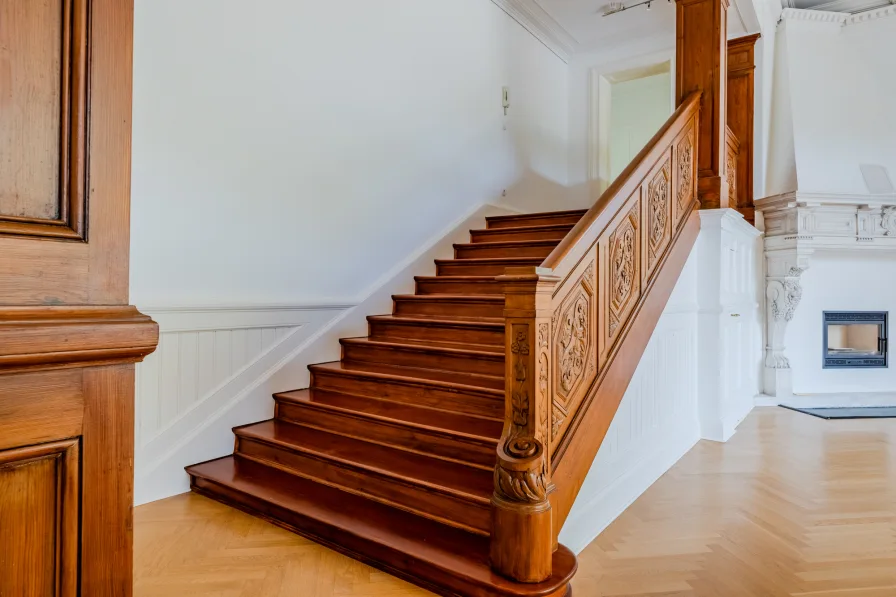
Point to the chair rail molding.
(797, 225)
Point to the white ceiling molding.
(540, 24)
(873, 15)
(851, 6)
(814, 16)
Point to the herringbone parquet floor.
(791, 506)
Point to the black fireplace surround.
(855, 339)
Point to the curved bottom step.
(437, 557)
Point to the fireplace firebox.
(855, 339)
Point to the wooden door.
(68, 339)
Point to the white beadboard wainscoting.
(696, 380)
(207, 359)
(217, 368)
(656, 424)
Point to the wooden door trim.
(60, 337)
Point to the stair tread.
(463, 425)
(382, 530)
(490, 385)
(510, 244)
(476, 298)
(484, 351)
(482, 322)
(440, 475)
(541, 214)
(474, 279)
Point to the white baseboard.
(188, 403)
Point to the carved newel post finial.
(522, 538)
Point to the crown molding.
(851, 6)
(814, 16)
(873, 15)
(540, 24)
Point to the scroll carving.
(659, 229)
(526, 486)
(623, 268)
(573, 342)
(685, 171)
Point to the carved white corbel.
(783, 295)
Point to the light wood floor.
(792, 505)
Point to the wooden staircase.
(390, 455)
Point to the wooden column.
(702, 65)
(522, 543)
(741, 107)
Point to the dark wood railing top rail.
(601, 214)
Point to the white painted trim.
(541, 25)
(814, 16)
(594, 517)
(851, 6)
(872, 15)
(804, 199)
(236, 317)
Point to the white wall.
(697, 378)
(295, 151)
(638, 109)
(838, 282)
(837, 78)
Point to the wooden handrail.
(575, 329)
(610, 201)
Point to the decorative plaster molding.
(814, 16)
(872, 15)
(539, 23)
(851, 6)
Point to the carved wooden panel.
(684, 173)
(43, 113)
(624, 270)
(741, 61)
(39, 520)
(658, 215)
(731, 164)
(575, 325)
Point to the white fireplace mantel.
(796, 226)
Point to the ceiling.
(583, 28)
(847, 6)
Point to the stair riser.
(396, 435)
(449, 286)
(519, 222)
(486, 252)
(389, 331)
(448, 309)
(509, 234)
(486, 405)
(446, 362)
(423, 501)
(459, 268)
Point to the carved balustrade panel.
(684, 172)
(574, 342)
(657, 215)
(623, 272)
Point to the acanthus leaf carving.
(520, 395)
(685, 171)
(786, 299)
(888, 220)
(658, 206)
(526, 486)
(573, 342)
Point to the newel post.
(522, 536)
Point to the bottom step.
(437, 557)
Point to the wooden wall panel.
(43, 76)
(39, 520)
(741, 108)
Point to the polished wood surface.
(68, 339)
(792, 505)
(389, 456)
(732, 159)
(701, 65)
(741, 109)
(575, 329)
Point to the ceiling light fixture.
(616, 7)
